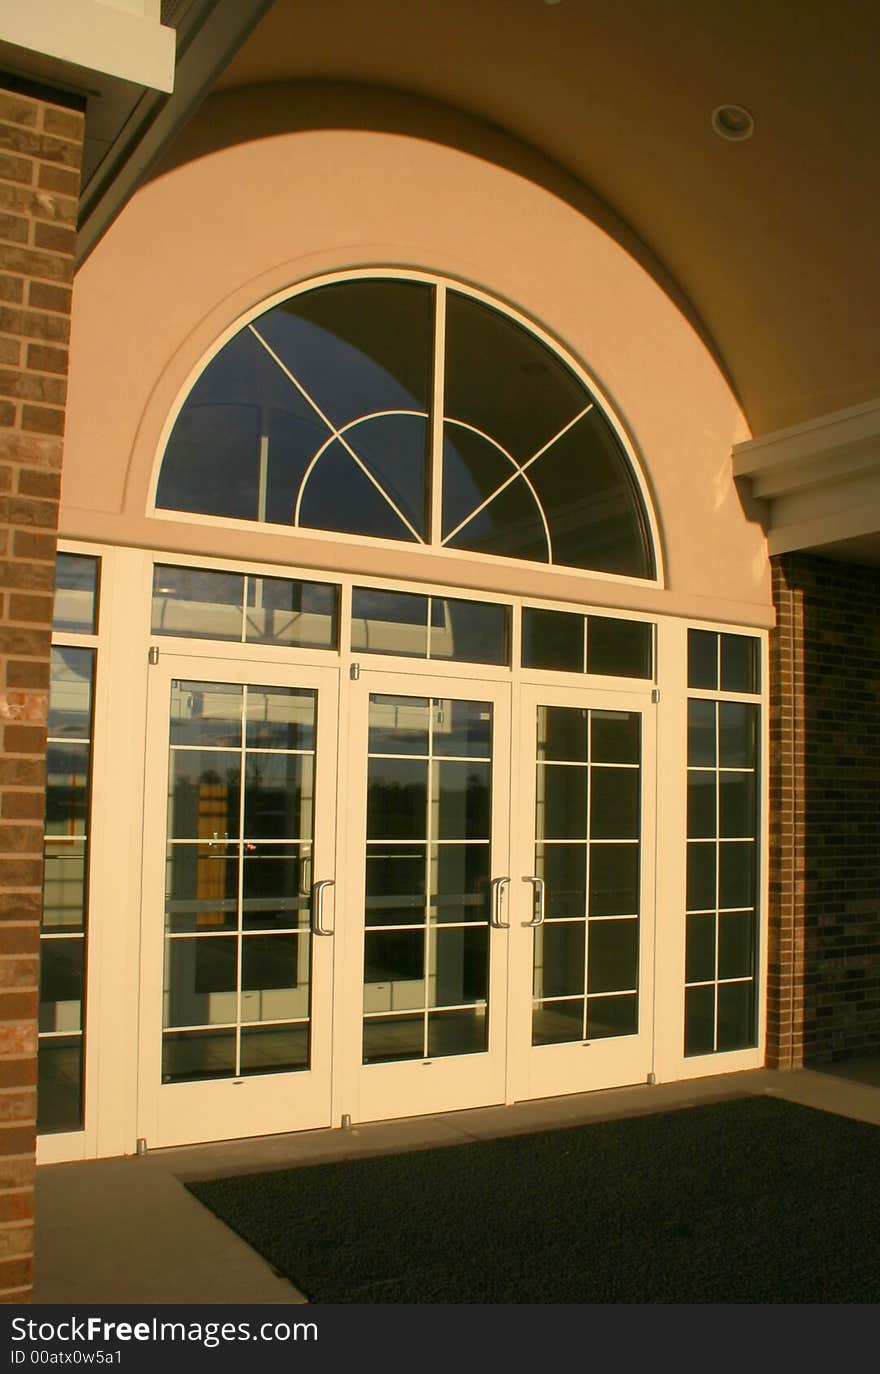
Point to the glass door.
(582, 1013)
(238, 920)
(429, 849)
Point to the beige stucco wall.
(228, 226)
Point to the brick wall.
(40, 152)
(824, 993)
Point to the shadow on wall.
(839, 715)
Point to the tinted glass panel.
(614, 879)
(702, 717)
(562, 734)
(591, 502)
(702, 823)
(615, 736)
(511, 524)
(613, 956)
(357, 347)
(469, 631)
(389, 622)
(274, 1049)
(197, 603)
(393, 1037)
(701, 876)
(76, 593)
(457, 1032)
(560, 959)
(212, 462)
(611, 1016)
(739, 664)
(304, 614)
(700, 958)
(736, 1015)
(702, 659)
(555, 1023)
(197, 1055)
(59, 1100)
(395, 884)
(563, 868)
(70, 694)
(503, 381)
(699, 1020)
(736, 944)
(61, 983)
(620, 648)
(459, 968)
(737, 735)
(553, 640)
(462, 728)
(337, 494)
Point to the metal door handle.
(540, 887)
(318, 906)
(495, 920)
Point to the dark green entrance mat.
(753, 1200)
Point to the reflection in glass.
(197, 603)
(459, 882)
(737, 735)
(67, 785)
(280, 718)
(457, 1032)
(60, 1078)
(274, 977)
(737, 804)
(620, 648)
(461, 793)
(274, 1049)
(278, 796)
(614, 807)
(469, 631)
(394, 970)
(701, 876)
(701, 795)
(699, 1020)
(76, 593)
(70, 694)
(201, 887)
(200, 977)
(740, 670)
(736, 944)
(563, 868)
(391, 1038)
(562, 734)
(703, 659)
(553, 640)
(298, 614)
(64, 866)
(395, 884)
(614, 879)
(612, 1016)
(462, 729)
(559, 965)
(613, 956)
(615, 737)
(397, 795)
(736, 874)
(195, 1055)
(555, 1023)
(562, 802)
(61, 984)
(399, 725)
(203, 794)
(702, 719)
(700, 949)
(206, 713)
(458, 962)
(736, 1015)
(389, 622)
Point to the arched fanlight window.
(340, 409)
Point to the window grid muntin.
(84, 641)
(631, 468)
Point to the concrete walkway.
(127, 1231)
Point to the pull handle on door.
(317, 922)
(495, 920)
(540, 890)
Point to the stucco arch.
(267, 192)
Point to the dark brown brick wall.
(40, 151)
(824, 989)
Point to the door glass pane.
(238, 901)
(427, 868)
(395, 884)
(620, 648)
(591, 876)
(389, 622)
(469, 631)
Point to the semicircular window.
(322, 414)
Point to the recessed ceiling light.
(733, 122)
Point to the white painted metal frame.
(436, 542)
(121, 761)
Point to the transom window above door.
(398, 408)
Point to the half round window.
(399, 409)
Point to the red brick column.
(785, 990)
(40, 153)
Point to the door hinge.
(655, 695)
(354, 672)
(153, 655)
